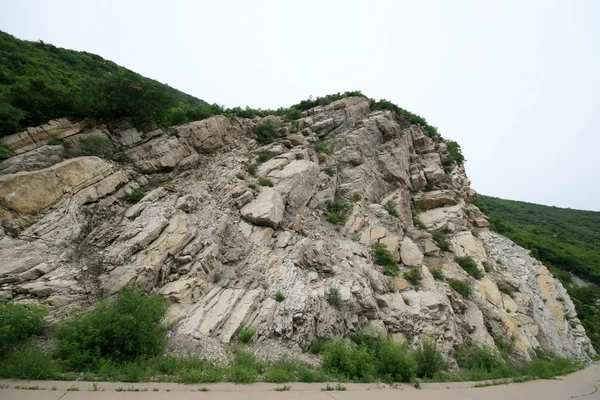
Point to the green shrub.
(334, 298)
(441, 240)
(345, 359)
(18, 323)
(470, 266)
(414, 277)
(292, 114)
(395, 363)
(385, 258)
(244, 369)
(246, 334)
(240, 176)
(486, 266)
(253, 186)
(320, 147)
(437, 274)
(123, 329)
(430, 185)
(252, 169)
(478, 357)
(336, 211)
(266, 132)
(329, 171)
(95, 146)
(429, 360)
(5, 153)
(279, 297)
(317, 345)
(28, 362)
(265, 182)
(463, 288)
(417, 222)
(54, 140)
(505, 288)
(455, 152)
(281, 371)
(136, 195)
(391, 209)
(264, 156)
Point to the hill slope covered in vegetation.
(40, 82)
(562, 238)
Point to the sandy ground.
(584, 384)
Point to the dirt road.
(584, 385)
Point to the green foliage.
(245, 334)
(348, 360)
(470, 266)
(437, 274)
(505, 288)
(293, 114)
(94, 146)
(564, 239)
(279, 296)
(441, 240)
(478, 357)
(266, 133)
(40, 82)
(336, 211)
(385, 258)
(123, 329)
(430, 185)
(136, 195)
(321, 147)
(324, 100)
(334, 298)
(391, 209)
(19, 322)
(414, 277)
(329, 171)
(253, 186)
(455, 152)
(262, 181)
(244, 369)
(429, 360)
(264, 156)
(317, 345)
(252, 169)
(486, 266)
(418, 223)
(28, 362)
(5, 153)
(240, 176)
(461, 287)
(395, 363)
(55, 140)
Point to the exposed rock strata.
(219, 251)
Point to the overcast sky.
(516, 83)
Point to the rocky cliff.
(219, 246)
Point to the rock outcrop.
(220, 250)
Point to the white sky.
(516, 83)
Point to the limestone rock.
(410, 253)
(267, 209)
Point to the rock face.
(219, 250)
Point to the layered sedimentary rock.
(219, 250)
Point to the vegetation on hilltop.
(565, 240)
(40, 82)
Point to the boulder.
(410, 253)
(267, 209)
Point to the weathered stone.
(410, 253)
(267, 209)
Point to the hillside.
(40, 82)
(562, 238)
